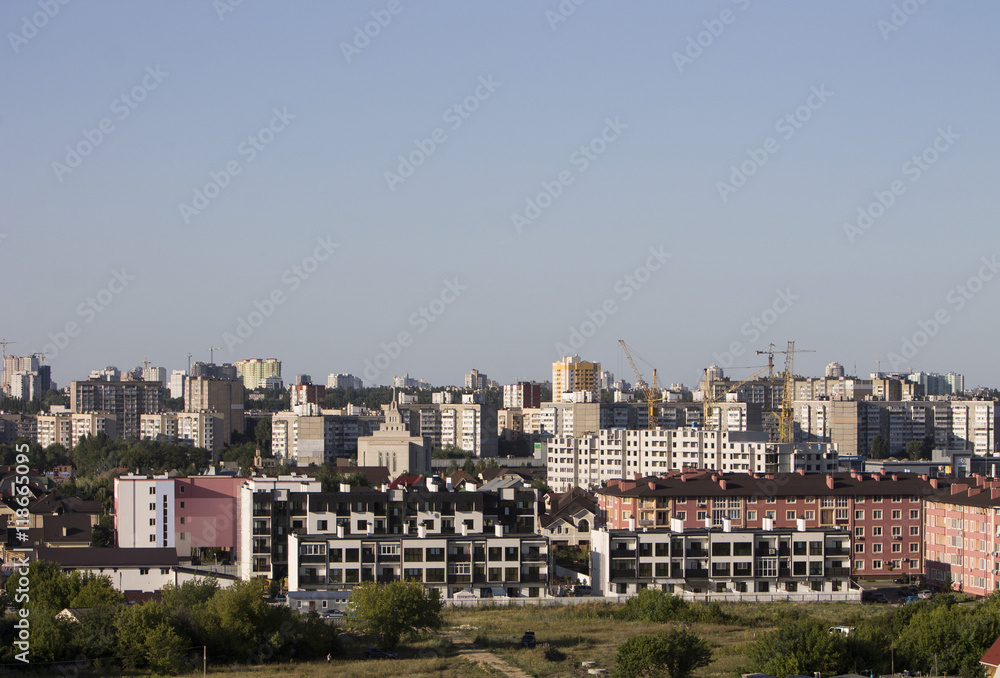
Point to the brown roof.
(717, 484)
(110, 557)
(992, 656)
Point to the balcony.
(838, 571)
(262, 532)
(696, 573)
(623, 553)
(315, 580)
(622, 574)
(534, 578)
(535, 557)
(766, 552)
(389, 558)
(696, 553)
(838, 552)
(459, 557)
(459, 578)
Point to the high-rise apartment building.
(343, 381)
(127, 400)
(522, 394)
(222, 396)
(476, 380)
(255, 371)
(572, 374)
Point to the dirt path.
(474, 654)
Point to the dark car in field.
(879, 598)
(528, 639)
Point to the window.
(897, 547)
(164, 570)
(413, 555)
(810, 515)
(877, 515)
(769, 514)
(352, 556)
(859, 548)
(182, 504)
(876, 548)
(914, 514)
(770, 500)
(789, 515)
(321, 525)
(859, 532)
(336, 555)
(152, 506)
(859, 515)
(914, 530)
(435, 555)
(152, 521)
(152, 537)
(182, 489)
(897, 531)
(682, 515)
(876, 531)
(876, 564)
(152, 490)
(751, 515)
(182, 520)
(897, 514)
(435, 574)
(510, 553)
(743, 549)
(859, 564)
(143, 570)
(914, 547)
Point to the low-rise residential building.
(725, 563)
(473, 544)
(882, 514)
(962, 535)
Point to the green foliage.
(96, 455)
(262, 432)
(103, 535)
(677, 652)
(243, 454)
(542, 486)
(656, 606)
(451, 452)
(914, 450)
(879, 448)
(799, 647)
(388, 611)
(331, 477)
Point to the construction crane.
(189, 356)
(709, 398)
(785, 428)
(4, 342)
(211, 353)
(650, 390)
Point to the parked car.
(911, 599)
(581, 590)
(879, 598)
(528, 639)
(378, 653)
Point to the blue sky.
(818, 107)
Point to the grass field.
(566, 637)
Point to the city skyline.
(485, 185)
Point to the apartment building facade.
(962, 536)
(798, 563)
(126, 400)
(882, 514)
(590, 461)
(480, 544)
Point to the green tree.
(915, 450)
(103, 535)
(677, 652)
(797, 647)
(388, 611)
(653, 605)
(263, 434)
(879, 448)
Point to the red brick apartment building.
(962, 535)
(883, 513)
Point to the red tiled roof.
(992, 656)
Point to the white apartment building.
(198, 429)
(589, 461)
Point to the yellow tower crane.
(650, 390)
